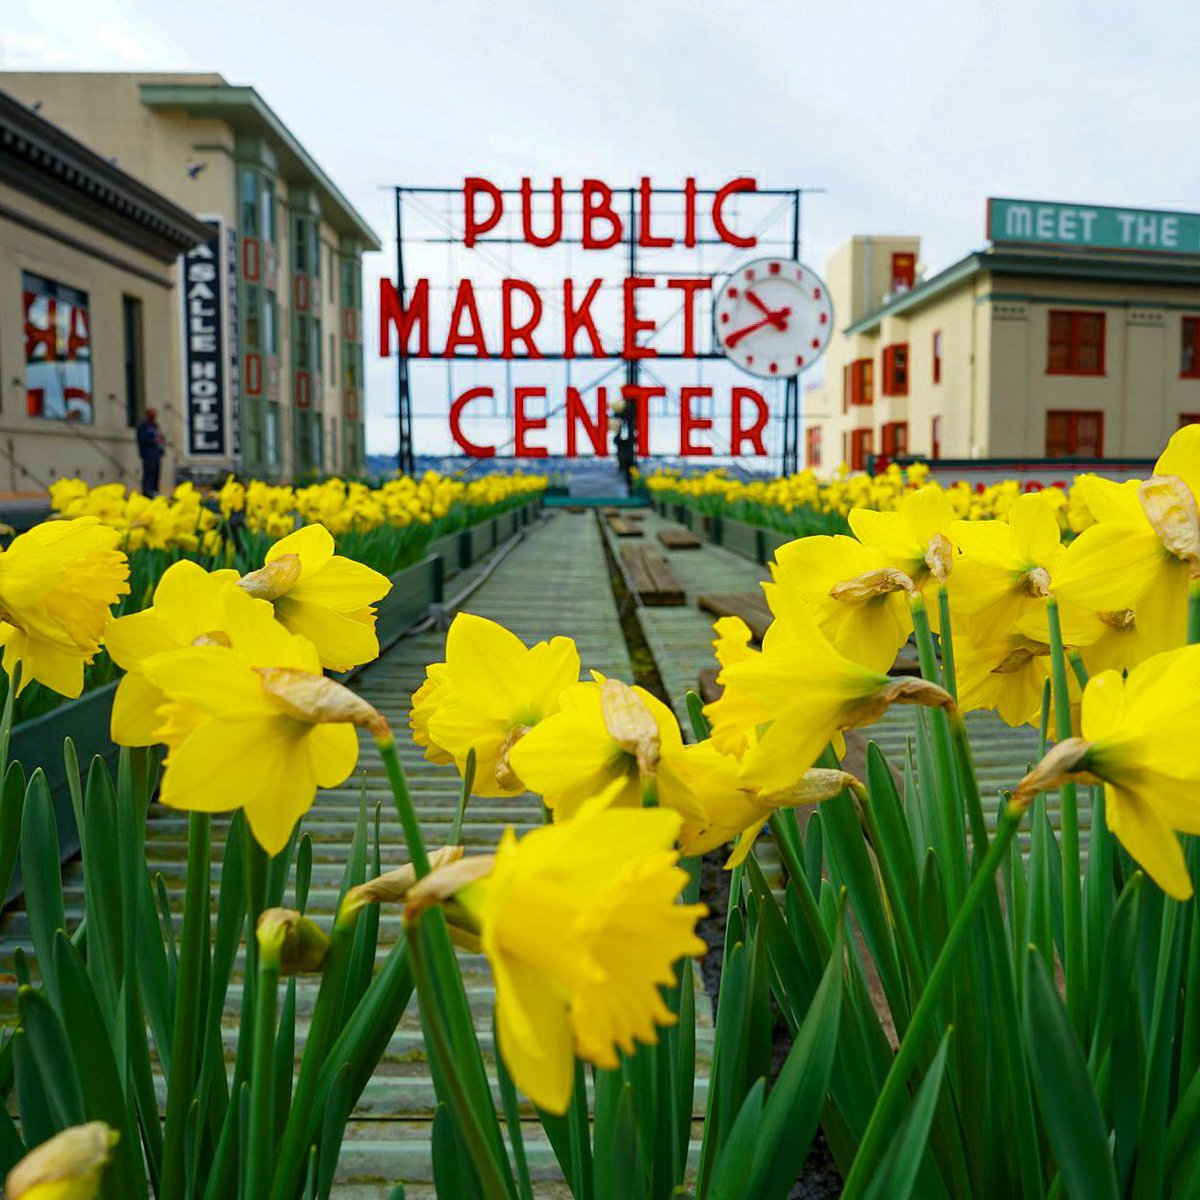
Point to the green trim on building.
(244, 110)
(1092, 267)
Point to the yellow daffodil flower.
(497, 690)
(1007, 675)
(1106, 641)
(426, 700)
(188, 604)
(915, 538)
(810, 691)
(1005, 568)
(255, 724)
(604, 733)
(718, 808)
(322, 596)
(67, 1167)
(1139, 736)
(860, 600)
(58, 582)
(734, 716)
(581, 924)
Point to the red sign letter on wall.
(464, 306)
(473, 227)
(392, 313)
(688, 422)
(597, 205)
(524, 331)
(475, 451)
(556, 213)
(689, 288)
(739, 433)
(597, 431)
(641, 396)
(575, 319)
(645, 237)
(522, 423)
(723, 231)
(634, 326)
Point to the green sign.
(1092, 227)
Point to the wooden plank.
(750, 606)
(652, 578)
(679, 539)
(622, 527)
(707, 686)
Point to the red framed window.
(893, 436)
(1074, 434)
(1189, 419)
(895, 369)
(859, 382)
(1189, 348)
(860, 447)
(937, 356)
(904, 272)
(1075, 344)
(812, 445)
(935, 438)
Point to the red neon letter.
(475, 451)
(597, 204)
(689, 288)
(525, 330)
(464, 305)
(473, 227)
(641, 396)
(688, 423)
(522, 424)
(575, 319)
(634, 326)
(394, 314)
(726, 234)
(597, 431)
(753, 434)
(556, 207)
(645, 237)
(689, 212)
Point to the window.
(303, 344)
(267, 201)
(1076, 343)
(315, 328)
(58, 351)
(894, 438)
(271, 325)
(135, 403)
(300, 246)
(860, 381)
(334, 445)
(812, 445)
(1074, 434)
(251, 326)
(1189, 348)
(937, 356)
(331, 292)
(935, 438)
(273, 434)
(332, 357)
(904, 272)
(895, 369)
(350, 283)
(860, 448)
(249, 203)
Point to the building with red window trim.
(1015, 351)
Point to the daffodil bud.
(318, 699)
(898, 691)
(872, 584)
(939, 557)
(394, 886)
(1171, 510)
(300, 945)
(1020, 656)
(67, 1167)
(814, 786)
(1036, 583)
(276, 579)
(631, 723)
(1065, 761)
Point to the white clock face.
(773, 317)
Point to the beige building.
(269, 309)
(1068, 337)
(89, 306)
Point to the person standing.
(150, 447)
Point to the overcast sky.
(908, 115)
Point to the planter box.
(743, 539)
(448, 550)
(414, 589)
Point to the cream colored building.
(89, 306)
(279, 392)
(1037, 347)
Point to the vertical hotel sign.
(210, 375)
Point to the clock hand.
(777, 320)
(762, 308)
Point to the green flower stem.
(1193, 626)
(6, 721)
(404, 805)
(950, 677)
(261, 1137)
(186, 1026)
(895, 1093)
(1072, 914)
(468, 781)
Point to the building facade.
(280, 396)
(89, 306)
(1054, 347)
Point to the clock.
(773, 317)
